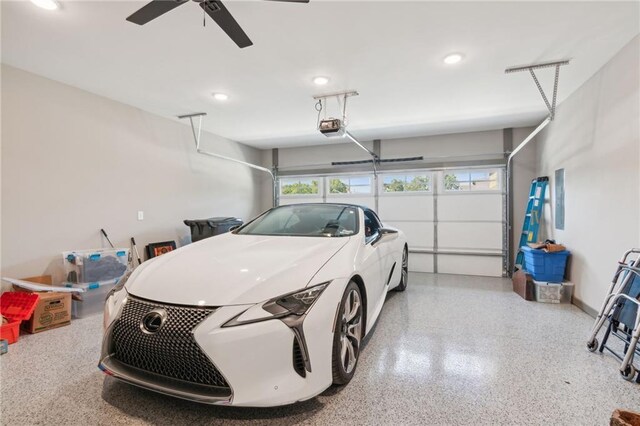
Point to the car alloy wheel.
(348, 335)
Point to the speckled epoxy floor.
(449, 350)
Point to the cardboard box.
(53, 309)
(523, 285)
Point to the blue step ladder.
(531, 223)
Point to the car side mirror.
(385, 234)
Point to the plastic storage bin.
(10, 331)
(546, 292)
(545, 266)
(92, 300)
(16, 307)
(205, 228)
(89, 266)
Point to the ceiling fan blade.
(152, 10)
(229, 25)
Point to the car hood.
(233, 269)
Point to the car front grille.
(171, 351)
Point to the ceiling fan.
(214, 8)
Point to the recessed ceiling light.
(46, 4)
(453, 58)
(321, 81)
(220, 97)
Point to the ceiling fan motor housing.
(211, 5)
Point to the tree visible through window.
(350, 185)
(472, 180)
(450, 183)
(406, 183)
(336, 186)
(299, 186)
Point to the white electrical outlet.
(140, 215)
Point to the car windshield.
(312, 220)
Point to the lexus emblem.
(153, 321)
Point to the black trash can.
(205, 228)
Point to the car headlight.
(114, 301)
(297, 303)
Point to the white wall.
(74, 162)
(595, 138)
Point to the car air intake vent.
(171, 351)
(298, 360)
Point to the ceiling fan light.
(46, 4)
(320, 80)
(220, 96)
(453, 58)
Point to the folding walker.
(621, 309)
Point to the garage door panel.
(419, 234)
(469, 221)
(488, 266)
(406, 207)
(474, 207)
(420, 262)
(482, 235)
(349, 199)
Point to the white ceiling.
(390, 51)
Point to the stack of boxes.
(542, 279)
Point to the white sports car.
(269, 314)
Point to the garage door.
(453, 219)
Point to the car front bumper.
(256, 360)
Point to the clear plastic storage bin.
(90, 266)
(92, 300)
(547, 292)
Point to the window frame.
(319, 194)
(498, 190)
(327, 185)
(427, 173)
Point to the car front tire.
(404, 273)
(348, 335)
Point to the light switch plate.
(140, 215)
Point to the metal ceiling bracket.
(196, 136)
(551, 106)
(345, 94)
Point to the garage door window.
(472, 180)
(349, 184)
(300, 186)
(406, 183)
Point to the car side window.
(371, 225)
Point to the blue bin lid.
(532, 250)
